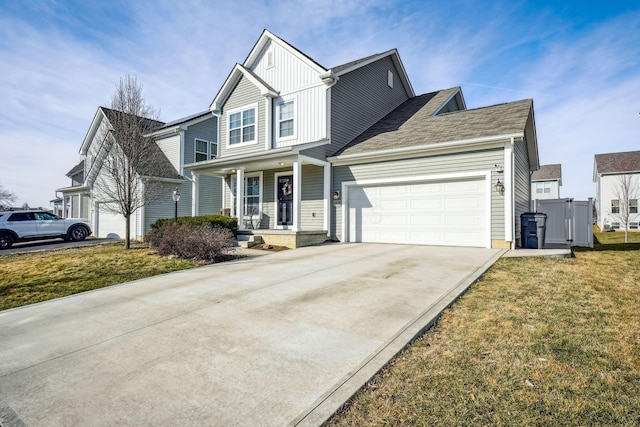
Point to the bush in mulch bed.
(198, 242)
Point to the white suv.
(22, 226)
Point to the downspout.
(509, 208)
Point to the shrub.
(220, 221)
(200, 242)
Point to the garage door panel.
(437, 213)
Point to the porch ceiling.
(223, 167)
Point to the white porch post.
(195, 194)
(297, 193)
(327, 198)
(240, 198)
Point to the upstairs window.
(205, 150)
(242, 126)
(286, 119)
(615, 206)
(633, 206)
(543, 187)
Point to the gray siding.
(243, 95)
(210, 200)
(522, 184)
(170, 146)
(164, 207)
(207, 130)
(360, 99)
(312, 205)
(438, 164)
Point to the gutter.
(424, 148)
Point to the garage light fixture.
(499, 187)
(336, 195)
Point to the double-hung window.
(286, 119)
(242, 126)
(633, 206)
(205, 150)
(252, 195)
(615, 206)
(543, 187)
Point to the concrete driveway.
(47, 245)
(277, 340)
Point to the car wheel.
(78, 233)
(6, 241)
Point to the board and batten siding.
(522, 183)
(206, 130)
(481, 160)
(170, 146)
(361, 98)
(245, 94)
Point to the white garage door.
(110, 225)
(451, 213)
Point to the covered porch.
(282, 196)
(76, 201)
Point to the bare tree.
(6, 197)
(627, 192)
(130, 171)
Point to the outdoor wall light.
(499, 168)
(500, 187)
(281, 163)
(336, 195)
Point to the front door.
(285, 200)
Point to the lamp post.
(176, 198)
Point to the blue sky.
(60, 60)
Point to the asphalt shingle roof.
(413, 124)
(547, 173)
(77, 168)
(628, 161)
(162, 167)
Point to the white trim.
(509, 223)
(390, 78)
(453, 95)
(349, 158)
(240, 171)
(210, 155)
(195, 194)
(297, 194)
(327, 198)
(276, 123)
(275, 199)
(241, 110)
(268, 134)
(261, 43)
(484, 174)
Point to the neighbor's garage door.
(110, 225)
(451, 213)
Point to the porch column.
(240, 198)
(327, 198)
(297, 193)
(195, 194)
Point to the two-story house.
(546, 182)
(190, 139)
(612, 172)
(351, 153)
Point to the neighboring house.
(352, 154)
(607, 172)
(546, 182)
(56, 207)
(174, 143)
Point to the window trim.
(255, 125)
(280, 103)
(633, 208)
(232, 183)
(390, 78)
(615, 209)
(209, 154)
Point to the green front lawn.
(536, 341)
(39, 276)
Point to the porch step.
(248, 240)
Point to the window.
(45, 216)
(242, 126)
(22, 216)
(633, 226)
(543, 187)
(615, 225)
(252, 195)
(390, 79)
(286, 119)
(205, 150)
(615, 206)
(633, 206)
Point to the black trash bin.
(533, 229)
